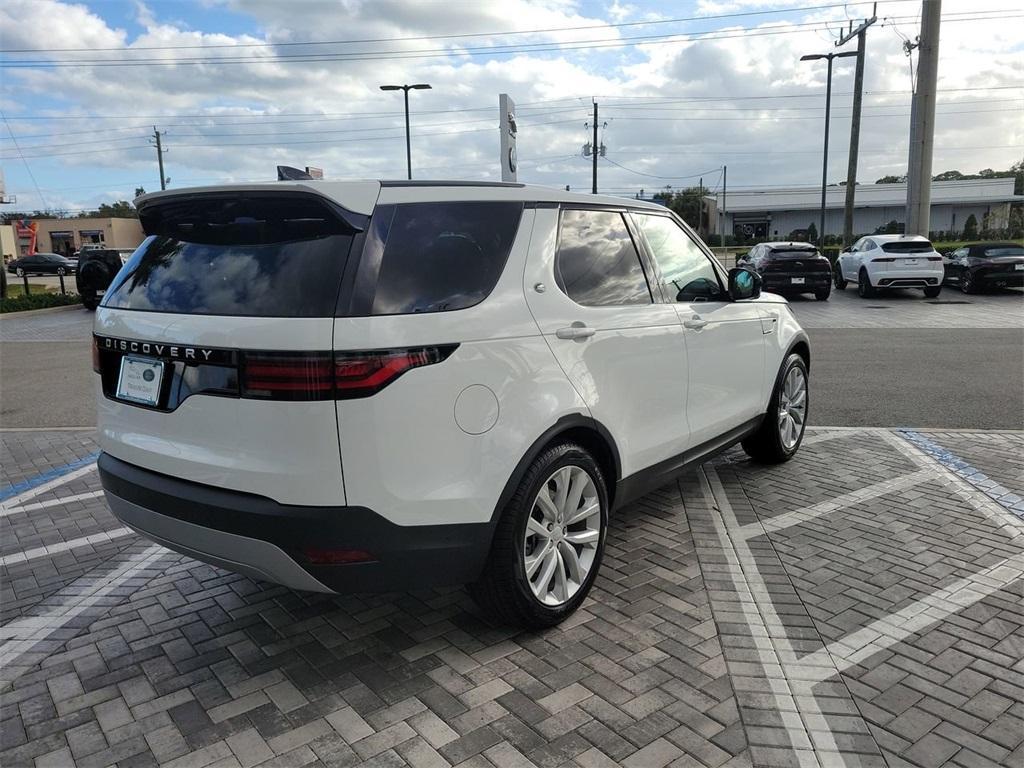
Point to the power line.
(25, 161)
(506, 33)
(500, 50)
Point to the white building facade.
(775, 213)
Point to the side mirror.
(744, 284)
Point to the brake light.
(326, 375)
(883, 259)
(95, 354)
(934, 258)
(360, 374)
(287, 376)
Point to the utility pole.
(725, 178)
(160, 156)
(594, 151)
(922, 129)
(858, 93)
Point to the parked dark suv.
(790, 268)
(96, 270)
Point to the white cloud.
(763, 140)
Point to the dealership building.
(775, 213)
(65, 236)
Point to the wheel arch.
(585, 430)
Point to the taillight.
(360, 374)
(884, 259)
(96, 354)
(934, 258)
(326, 376)
(287, 375)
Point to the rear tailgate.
(214, 344)
(910, 255)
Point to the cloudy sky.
(240, 86)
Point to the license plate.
(1019, 267)
(139, 380)
(797, 280)
(910, 262)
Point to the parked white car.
(882, 262)
(391, 385)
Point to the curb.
(44, 311)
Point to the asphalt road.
(969, 378)
(956, 378)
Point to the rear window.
(908, 246)
(433, 257)
(793, 253)
(259, 256)
(1004, 250)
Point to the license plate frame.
(133, 386)
(910, 262)
(797, 280)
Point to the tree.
(686, 204)
(892, 180)
(949, 176)
(812, 233)
(140, 191)
(971, 228)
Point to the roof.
(899, 238)
(979, 191)
(794, 245)
(362, 196)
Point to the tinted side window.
(433, 257)
(686, 272)
(597, 263)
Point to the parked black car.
(96, 270)
(42, 264)
(790, 268)
(978, 266)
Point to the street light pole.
(408, 143)
(828, 110)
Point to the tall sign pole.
(858, 94)
(507, 127)
(922, 130)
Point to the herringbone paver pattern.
(715, 636)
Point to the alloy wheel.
(792, 408)
(563, 533)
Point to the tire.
(933, 292)
(90, 302)
(822, 294)
(61, 271)
(769, 445)
(19, 272)
(837, 277)
(967, 283)
(504, 591)
(864, 288)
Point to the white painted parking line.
(775, 651)
(56, 502)
(103, 537)
(806, 514)
(22, 635)
(11, 505)
(931, 609)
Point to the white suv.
(389, 385)
(880, 262)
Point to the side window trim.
(637, 247)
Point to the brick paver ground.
(860, 605)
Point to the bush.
(38, 301)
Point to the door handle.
(575, 331)
(696, 322)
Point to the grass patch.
(35, 289)
(20, 303)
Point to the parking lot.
(858, 606)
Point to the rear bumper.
(906, 278)
(783, 282)
(1000, 275)
(266, 540)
